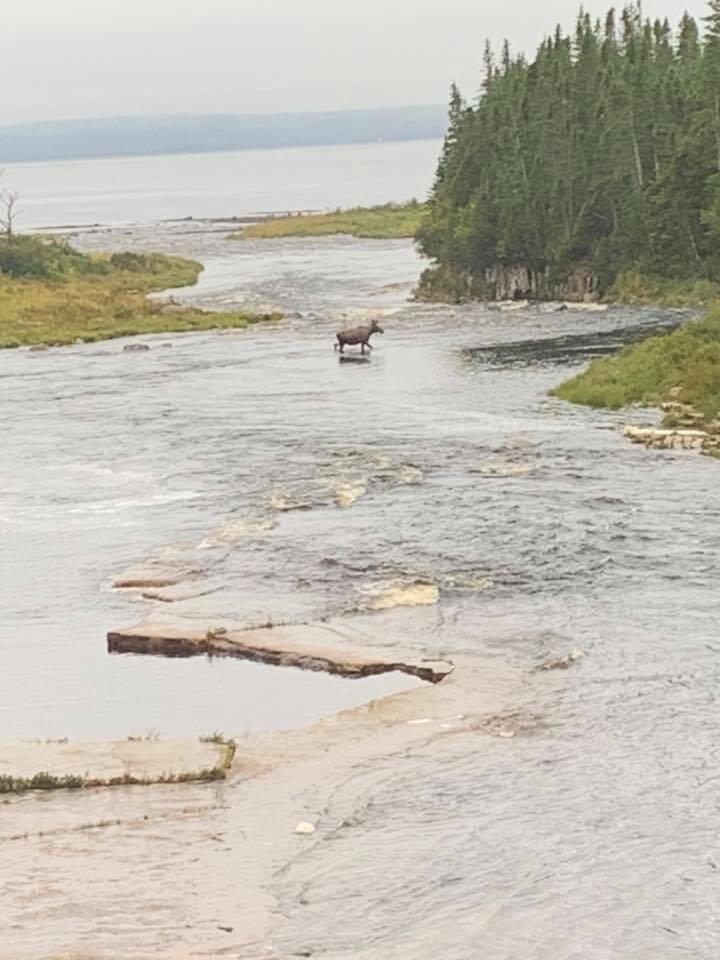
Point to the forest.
(600, 156)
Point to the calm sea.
(130, 190)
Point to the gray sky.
(77, 58)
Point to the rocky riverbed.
(552, 795)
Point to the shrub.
(134, 262)
(42, 258)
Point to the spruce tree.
(603, 151)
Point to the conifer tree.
(602, 152)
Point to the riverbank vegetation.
(52, 294)
(386, 222)
(636, 289)
(681, 367)
(602, 154)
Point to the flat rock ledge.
(69, 764)
(307, 646)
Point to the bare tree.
(8, 203)
(8, 200)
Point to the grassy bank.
(683, 366)
(387, 222)
(52, 294)
(635, 288)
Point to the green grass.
(634, 288)
(387, 222)
(683, 365)
(93, 298)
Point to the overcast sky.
(78, 58)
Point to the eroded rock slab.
(111, 853)
(109, 762)
(318, 646)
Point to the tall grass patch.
(386, 222)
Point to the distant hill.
(142, 136)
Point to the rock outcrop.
(667, 439)
(683, 428)
(509, 282)
(522, 283)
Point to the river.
(591, 833)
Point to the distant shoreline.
(249, 219)
(109, 158)
(127, 137)
(94, 194)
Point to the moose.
(357, 335)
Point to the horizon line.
(5, 124)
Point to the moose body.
(357, 335)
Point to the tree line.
(601, 153)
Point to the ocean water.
(124, 190)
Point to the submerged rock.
(347, 493)
(148, 582)
(472, 582)
(398, 593)
(410, 474)
(236, 530)
(135, 347)
(167, 567)
(563, 663)
(503, 469)
(284, 503)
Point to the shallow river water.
(295, 486)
